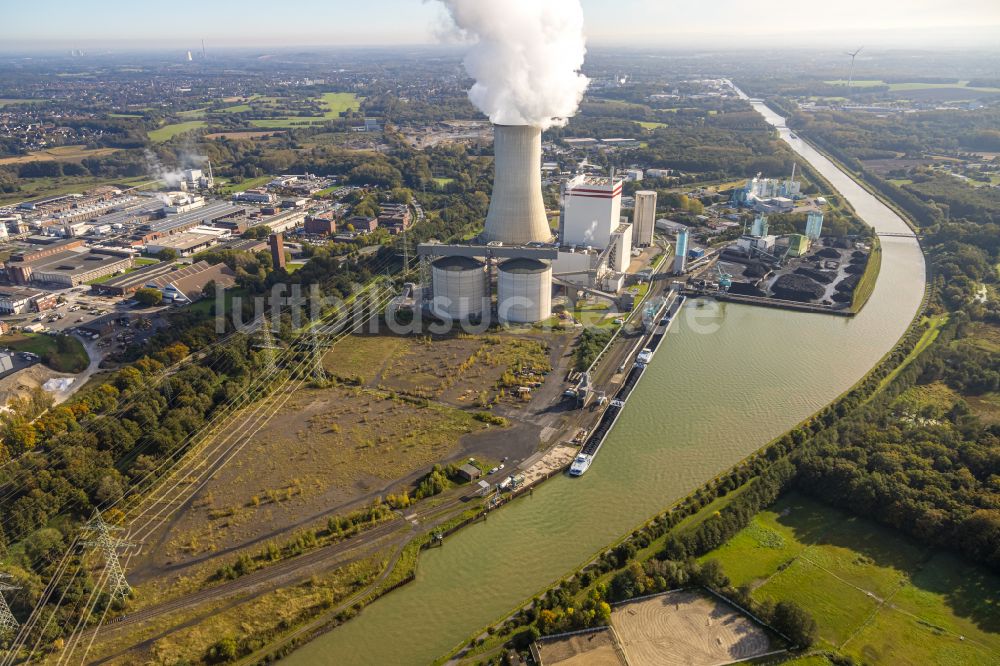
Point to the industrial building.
(396, 218)
(187, 284)
(591, 211)
(69, 267)
(15, 300)
(184, 244)
(644, 218)
(814, 225)
(681, 252)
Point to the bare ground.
(686, 629)
(593, 649)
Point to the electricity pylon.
(267, 344)
(318, 353)
(8, 623)
(109, 545)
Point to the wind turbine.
(850, 77)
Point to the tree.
(167, 254)
(792, 620)
(149, 297)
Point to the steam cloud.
(526, 58)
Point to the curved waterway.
(727, 379)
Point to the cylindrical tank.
(517, 211)
(461, 288)
(524, 291)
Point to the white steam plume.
(526, 58)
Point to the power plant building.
(644, 218)
(592, 208)
(517, 210)
(524, 291)
(461, 288)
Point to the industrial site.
(503, 347)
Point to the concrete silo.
(517, 211)
(524, 291)
(461, 288)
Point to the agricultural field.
(168, 132)
(335, 104)
(909, 86)
(875, 595)
(60, 154)
(687, 629)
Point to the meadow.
(876, 596)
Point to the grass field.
(7, 101)
(60, 153)
(248, 184)
(876, 595)
(72, 358)
(32, 188)
(934, 325)
(866, 285)
(168, 132)
(651, 125)
(335, 103)
(872, 83)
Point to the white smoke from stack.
(526, 58)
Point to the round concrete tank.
(461, 288)
(524, 291)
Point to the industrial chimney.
(517, 212)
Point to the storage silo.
(461, 288)
(524, 291)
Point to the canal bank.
(731, 378)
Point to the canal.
(727, 379)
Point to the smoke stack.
(517, 211)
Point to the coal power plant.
(514, 253)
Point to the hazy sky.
(683, 23)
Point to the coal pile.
(828, 253)
(756, 270)
(746, 289)
(843, 297)
(797, 288)
(848, 284)
(863, 259)
(823, 277)
(855, 269)
(858, 254)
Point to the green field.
(168, 132)
(335, 103)
(6, 101)
(338, 103)
(248, 184)
(651, 125)
(876, 596)
(61, 353)
(239, 108)
(871, 83)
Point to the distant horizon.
(114, 25)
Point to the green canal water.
(728, 379)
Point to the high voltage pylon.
(318, 353)
(8, 623)
(109, 545)
(267, 344)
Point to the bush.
(149, 297)
(223, 651)
(792, 620)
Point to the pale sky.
(711, 24)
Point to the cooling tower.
(517, 212)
